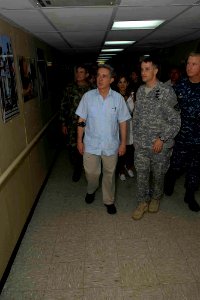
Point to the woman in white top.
(125, 162)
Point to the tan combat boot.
(154, 205)
(140, 210)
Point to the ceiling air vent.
(63, 3)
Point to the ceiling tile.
(127, 35)
(189, 19)
(156, 2)
(86, 40)
(52, 38)
(147, 13)
(15, 4)
(32, 20)
(74, 19)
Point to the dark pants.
(76, 158)
(186, 157)
(126, 160)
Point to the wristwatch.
(162, 139)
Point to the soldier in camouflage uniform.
(155, 124)
(186, 152)
(72, 96)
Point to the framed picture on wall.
(8, 89)
(42, 74)
(28, 78)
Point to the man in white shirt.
(102, 115)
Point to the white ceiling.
(78, 27)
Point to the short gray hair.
(193, 53)
(108, 67)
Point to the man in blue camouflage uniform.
(186, 152)
(155, 124)
(69, 104)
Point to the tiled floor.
(76, 251)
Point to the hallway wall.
(28, 145)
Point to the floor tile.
(103, 293)
(35, 253)
(128, 230)
(64, 294)
(100, 231)
(186, 291)
(28, 277)
(137, 272)
(99, 250)
(21, 295)
(102, 273)
(71, 232)
(143, 293)
(132, 249)
(173, 270)
(69, 251)
(65, 276)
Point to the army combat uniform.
(154, 116)
(186, 152)
(72, 96)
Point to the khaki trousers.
(92, 166)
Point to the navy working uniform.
(186, 152)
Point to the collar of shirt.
(109, 93)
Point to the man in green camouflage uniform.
(72, 96)
(155, 124)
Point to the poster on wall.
(42, 74)
(28, 78)
(8, 89)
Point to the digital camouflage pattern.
(154, 116)
(188, 95)
(186, 152)
(72, 96)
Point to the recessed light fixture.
(128, 25)
(107, 54)
(119, 42)
(101, 62)
(104, 56)
(111, 50)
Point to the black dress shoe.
(190, 199)
(194, 206)
(111, 209)
(89, 198)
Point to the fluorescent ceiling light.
(104, 56)
(119, 42)
(107, 54)
(148, 24)
(101, 62)
(111, 50)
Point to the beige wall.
(21, 185)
